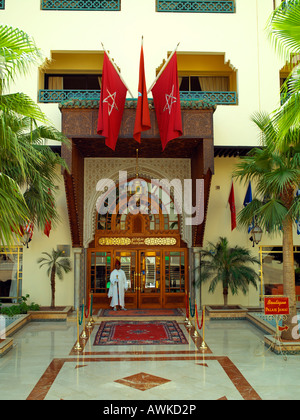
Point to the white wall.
(35, 280)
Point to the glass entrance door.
(156, 278)
(143, 273)
(129, 264)
(149, 278)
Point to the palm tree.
(57, 264)
(25, 164)
(37, 175)
(276, 174)
(283, 31)
(228, 266)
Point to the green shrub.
(21, 308)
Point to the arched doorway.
(141, 227)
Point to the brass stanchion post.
(203, 345)
(77, 346)
(89, 325)
(186, 305)
(83, 334)
(195, 335)
(189, 324)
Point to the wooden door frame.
(167, 300)
(131, 298)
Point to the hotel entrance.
(148, 245)
(156, 278)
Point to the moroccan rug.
(141, 312)
(139, 332)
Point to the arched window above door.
(150, 212)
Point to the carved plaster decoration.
(97, 169)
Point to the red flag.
(47, 228)
(142, 116)
(112, 102)
(167, 103)
(231, 202)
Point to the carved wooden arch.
(157, 206)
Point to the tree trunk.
(225, 296)
(289, 288)
(52, 282)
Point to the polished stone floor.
(236, 365)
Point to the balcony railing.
(218, 98)
(2, 4)
(52, 95)
(195, 6)
(58, 96)
(108, 5)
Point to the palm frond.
(13, 210)
(283, 28)
(272, 215)
(22, 104)
(18, 52)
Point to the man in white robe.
(118, 287)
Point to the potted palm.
(57, 265)
(229, 266)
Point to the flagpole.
(164, 66)
(116, 68)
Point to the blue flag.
(247, 200)
(248, 196)
(298, 226)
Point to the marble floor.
(236, 365)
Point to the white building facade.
(227, 71)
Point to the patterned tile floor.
(43, 365)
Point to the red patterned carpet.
(139, 332)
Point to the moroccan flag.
(112, 102)
(167, 103)
(142, 116)
(231, 202)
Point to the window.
(71, 75)
(117, 217)
(206, 77)
(100, 271)
(80, 5)
(11, 268)
(195, 6)
(204, 83)
(272, 270)
(73, 81)
(174, 272)
(2, 4)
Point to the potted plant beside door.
(57, 264)
(230, 266)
